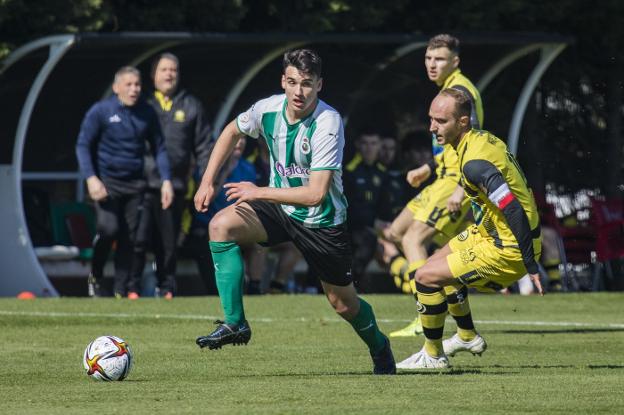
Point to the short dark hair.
(167, 55)
(305, 60)
(444, 40)
(126, 70)
(463, 104)
(367, 133)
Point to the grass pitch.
(557, 354)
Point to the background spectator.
(186, 136)
(110, 151)
(364, 177)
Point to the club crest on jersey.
(376, 181)
(462, 236)
(179, 116)
(305, 145)
(467, 256)
(291, 171)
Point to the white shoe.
(411, 330)
(422, 360)
(455, 344)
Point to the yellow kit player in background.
(438, 212)
(499, 249)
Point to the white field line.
(54, 314)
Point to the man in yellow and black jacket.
(187, 140)
(500, 248)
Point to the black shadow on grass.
(433, 372)
(560, 331)
(424, 372)
(540, 367)
(133, 380)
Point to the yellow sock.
(432, 307)
(398, 266)
(459, 308)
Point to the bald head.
(450, 119)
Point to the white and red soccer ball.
(108, 358)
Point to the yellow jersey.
(503, 205)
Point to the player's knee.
(424, 277)
(219, 228)
(393, 235)
(343, 307)
(340, 307)
(344, 310)
(412, 239)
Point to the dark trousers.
(158, 230)
(196, 246)
(117, 218)
(364, 243)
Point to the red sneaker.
(133, 296)
(168, 295)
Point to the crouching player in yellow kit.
(499, 249)
(440, 210)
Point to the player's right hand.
(535, 278)
(203, 196)
(96, 189)
(417, 176)
(166, 194)
(453, 204)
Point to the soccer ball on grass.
(107, 358)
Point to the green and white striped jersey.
(315, 143)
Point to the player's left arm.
(311, 195)
(485, 175)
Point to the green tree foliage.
(579, 105)
(310, 16)
(181, 15)
(24, 20)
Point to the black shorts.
(326, 250)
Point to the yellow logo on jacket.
(179, 116)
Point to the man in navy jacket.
(110, 150)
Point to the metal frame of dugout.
(48, 84)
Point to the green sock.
(228, 263)
(365, 326)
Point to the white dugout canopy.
(47, 86)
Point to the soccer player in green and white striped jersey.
(304, 203)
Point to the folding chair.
(608, 218)
(73, 223)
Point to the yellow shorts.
(477, 263)
(429, 207)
